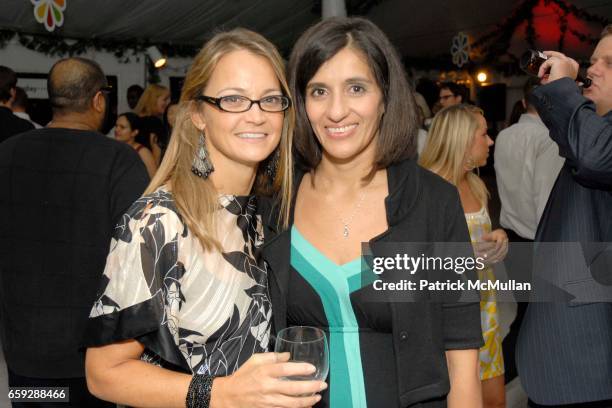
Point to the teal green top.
(334, 283)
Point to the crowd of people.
(242, 209)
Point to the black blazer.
(11, 125)
(421, 207)
(564, 350)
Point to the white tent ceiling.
(419, 29)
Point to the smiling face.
(344, 105)
(123, 130)
(245, 138)
(600, 73)
(479, 151)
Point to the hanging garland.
(56, 46)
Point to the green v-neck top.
(329, 296)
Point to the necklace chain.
(346, 224)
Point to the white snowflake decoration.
(460, 49)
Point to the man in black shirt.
(9, 123)
(63, 189)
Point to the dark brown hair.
(398, 125)
(530, 85)
(8, 81)
(456, 90)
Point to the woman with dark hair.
(358, 182)
(127, 130)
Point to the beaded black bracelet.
(198, 394)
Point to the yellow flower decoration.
(49, 12)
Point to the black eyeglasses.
(239, 103)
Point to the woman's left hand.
(499, 248)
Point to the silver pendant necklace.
(346, 224)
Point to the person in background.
(64, 188)
(458, 143)
(452, 94)
(169, 124)
(518, 109)
(20, 106)
(133, 94)
(151, 107)
(527, 163)
(564, 348)
(153, 101)
(127, 128)
(423, 114)
(422, 104)
(10, 124)
(183, 317)
(357, 182)
(170, 116)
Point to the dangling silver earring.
(201, 165)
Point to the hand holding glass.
(305, 345)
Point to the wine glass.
(305, 344)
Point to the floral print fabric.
(490, 355)
(195, 311)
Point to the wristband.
(198, 394)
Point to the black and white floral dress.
(195, 311)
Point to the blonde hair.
(148, 100)
(196, 198)
(450, 137)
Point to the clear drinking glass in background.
(478, 229)
(305, 344)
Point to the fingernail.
(323, 386)
(311, 368)
(318, 398)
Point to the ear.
(524, 102)
(196, 117)
(99, 102)
(12, 93)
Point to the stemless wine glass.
(305, 344)
(478, 228)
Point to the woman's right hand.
(260, 383)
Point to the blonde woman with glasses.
(183, 317)
(457, 144)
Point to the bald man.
(64, 187)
